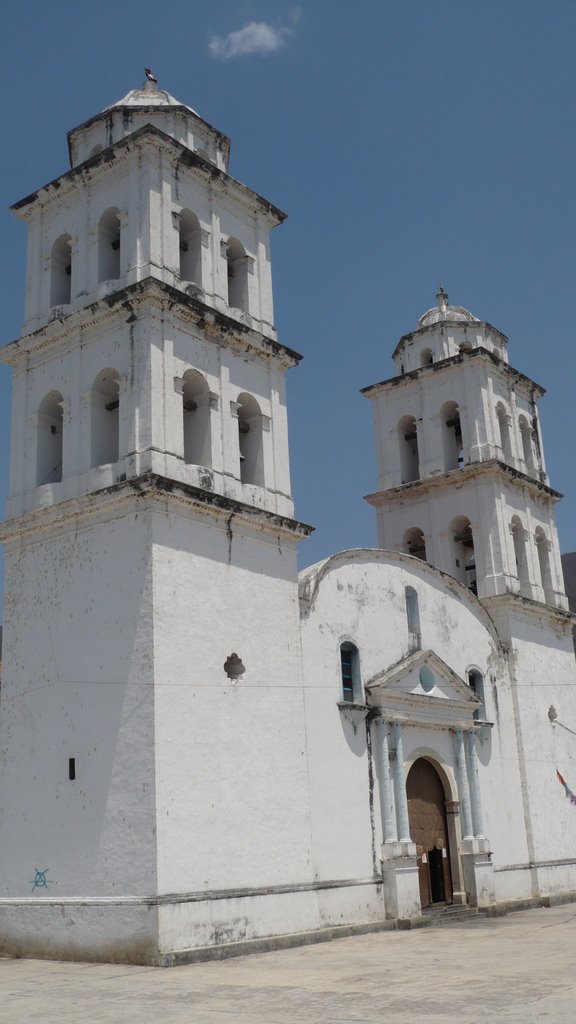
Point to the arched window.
(414, 543)
(61, 271)
(49, 440)
(190, 247)
(527, 450)
(105, 419)
(464, 556)
(518, 537)
(426, 357)
(451, 436)
(504, 428)
(543, 549)
(237, 275)
(109, 245)
(196, 420)
(350, 672)
(413, 619)
(476, 684)
(408, 441)
(465, 346)
(250, 440)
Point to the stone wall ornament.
(353, 713)
(233, 667)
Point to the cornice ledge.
(442, 364)
(148, 132)
(150, 289)
(468, 472)
(529, 608)
(149, 487)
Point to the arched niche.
(451, 436)
(237, 274)
(414, 543)
(50, 420)
(464, 555)
(250, 440)
(109, 245)
(105, 418)
(196, 419)
(61, 271)
(407, 431)
(190, 245)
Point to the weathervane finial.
(442, 298)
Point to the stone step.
(449, 914)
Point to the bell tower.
(152, 724)
(461, 476)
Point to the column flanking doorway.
(428, 828)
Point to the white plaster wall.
(77, 682)
(106, 931)
(361, 597)
(231, 756)
(545, 675)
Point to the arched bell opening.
(451, 436)
(463, 552)
(520, 558)
(504, 431)
(61, 271)
(427, 797)
(414, 543)
(408, 442)
(109, 245)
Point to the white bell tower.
(154, 780)
(462, 481)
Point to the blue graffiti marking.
(40, 881)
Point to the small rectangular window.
(71, 768)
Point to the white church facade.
(201, 752)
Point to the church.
(202, 752)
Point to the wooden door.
(427, 815)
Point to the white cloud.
(256, 37)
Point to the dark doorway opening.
(427, 814)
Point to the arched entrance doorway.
(427, 815)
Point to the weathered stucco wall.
(78, 683)
(231, 756)
(360, 596)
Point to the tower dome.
(149, 95)
(148, 105)
(443, 311)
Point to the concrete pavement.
(513, 970)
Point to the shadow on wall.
(569, 570)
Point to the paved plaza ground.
(514, 970)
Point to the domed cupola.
(443, 332)
(144, 106)
(442, 312)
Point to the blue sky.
(412, 144)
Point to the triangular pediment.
(423, 684)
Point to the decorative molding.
(156, 299)
(353, 713)
(207, 895)
(145, 491)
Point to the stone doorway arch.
(429, 831)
